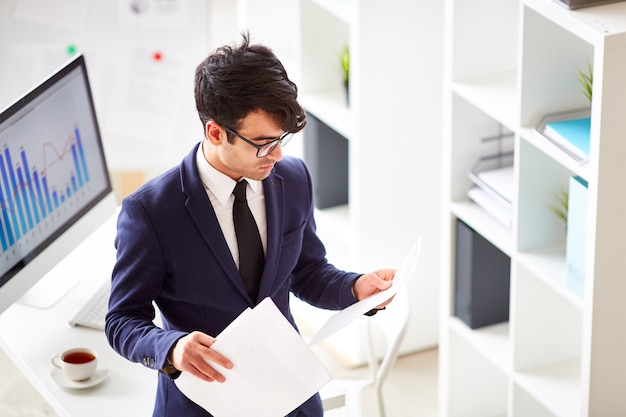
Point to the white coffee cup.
(78, 364)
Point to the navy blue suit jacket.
(171, 250)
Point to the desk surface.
(30, 336)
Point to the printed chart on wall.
(51, 165)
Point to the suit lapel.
(203, 215)
(274, 206)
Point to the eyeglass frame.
(282, 141)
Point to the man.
(177, 241)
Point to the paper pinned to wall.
(155, 14)
(147, 94)
(47, 57)
(62, 14)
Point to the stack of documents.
(493, 190)
(274, 370)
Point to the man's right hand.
(193, 354)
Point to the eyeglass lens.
(269, 147)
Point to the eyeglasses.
(267, 148)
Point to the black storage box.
(577, 4)
(482, 280)
(326, 154)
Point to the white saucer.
(59, 377)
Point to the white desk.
(30, 336)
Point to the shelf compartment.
(548, 264)
(556, 385)
(524, 404)
(485, 224)
(492, 342)
(470, 125)
(541, 179)
(551, 60)
(326, 154)
(322, 88)
(330, 106)
(495, 94)
(471, 375)
(546, 327)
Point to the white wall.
(104, 42)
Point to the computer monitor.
(55, 188)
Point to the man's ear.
(213, 132)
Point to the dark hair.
(236, 80)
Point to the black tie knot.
(240, 191)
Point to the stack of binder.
(577, 4)
(570, 131)
(493, 183)
(493, 191)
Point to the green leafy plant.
(585, 81)
(560, 210)
(345, 65)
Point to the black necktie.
(251, 257)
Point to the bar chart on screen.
(39, 185)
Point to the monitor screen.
(55, 188)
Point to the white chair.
(343, 397)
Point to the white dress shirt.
(219, 188)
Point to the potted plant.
(560, 209)
(345, 66)
(585, 81)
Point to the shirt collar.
(220, 184)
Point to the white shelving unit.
(393, 125)
(510, 63)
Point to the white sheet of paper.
(147, 94)
(274, 370)
(344, 317)
(153, 14)
(59, 14)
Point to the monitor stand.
(91, 256)
(51, 288)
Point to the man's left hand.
(373, 282)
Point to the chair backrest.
(392, 323)
(386, 329)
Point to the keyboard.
(93, 312)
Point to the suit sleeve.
(137, 279)
(314, 279)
